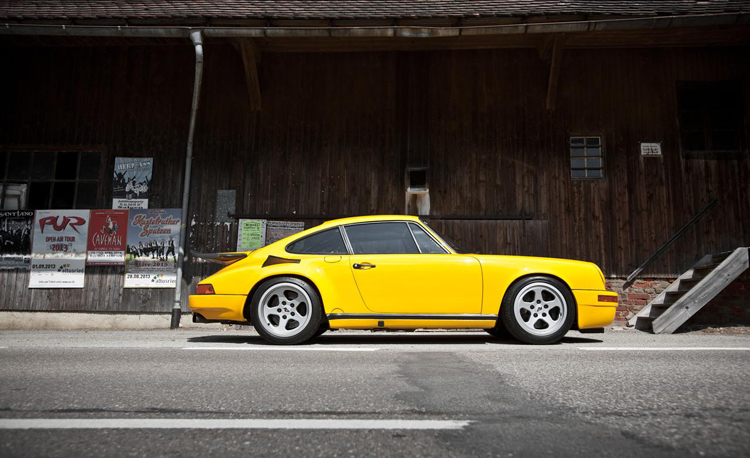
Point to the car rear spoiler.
(220, 258)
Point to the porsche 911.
(397, 273)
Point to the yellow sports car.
(395, 272)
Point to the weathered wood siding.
(337, 131)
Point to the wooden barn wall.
(121, 101)
(337, 131)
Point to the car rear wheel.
(286, 311)
(538, 310)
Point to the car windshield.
(446, 240)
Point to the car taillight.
(205, 289)
(607, 298)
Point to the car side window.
(381, 238)
(325, 242)
(426, 243)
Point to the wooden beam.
(651, 38)
(554, 73)
(250, 61)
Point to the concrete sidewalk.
(10, 320)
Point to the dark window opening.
(417, 179)
(37, 180)
(426, 243)
(711, 119)
(586, 160)
(325, 242)
(381, 238)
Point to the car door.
(396, 274)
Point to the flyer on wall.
(107, 237)
(58, 253)
(251, 234)
(15, 239)
(277, 230)
(131, 182)
(151, 257)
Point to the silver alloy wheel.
(540, 309)
(285, 310)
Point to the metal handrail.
(631, 278)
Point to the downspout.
(196, 38)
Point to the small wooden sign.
(651, 149)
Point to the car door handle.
(364, 266)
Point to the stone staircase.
(691, 291)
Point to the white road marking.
(182, 423)
(270, 348)
(665, 348)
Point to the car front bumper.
(593, 313)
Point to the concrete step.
(688, 303)
(718, 258)
(706, 269)
(663, 305)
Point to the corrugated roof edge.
(10, 28)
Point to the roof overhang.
(406, 28)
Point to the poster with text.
(251, 234)
(131, 182)
(277, 230)
(58, 253)
(151, 254)
(107, 237)
(15, 239)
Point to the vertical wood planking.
(337, 130)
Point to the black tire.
(266, 329)
(510, 321)
(322, 329)
(499, 331)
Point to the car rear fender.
(249, 300)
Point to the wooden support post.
(554, 72)
(545, 47)
(250, 61)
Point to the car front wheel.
(286, 311)
(538, 310)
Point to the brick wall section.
(637, 296)
(730, 307)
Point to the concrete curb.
(92, 321)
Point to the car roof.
(368, 219)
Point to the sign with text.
(251, 234)
(277, 230)
(58, 253)
(151, 258)
(107, 237)
(651, 149)
(15, 239)
(131, 182)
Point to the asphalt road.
(617, 394)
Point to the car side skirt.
(410, 321)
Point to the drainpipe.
(196, 38)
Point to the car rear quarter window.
(325, 242)
(426, 243)
(381, 238)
